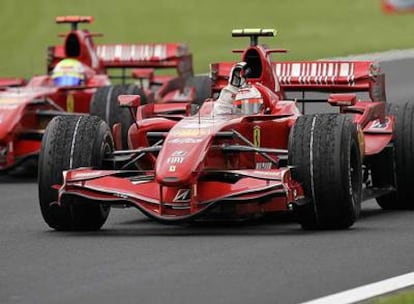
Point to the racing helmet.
(68, 72)
(248, 101)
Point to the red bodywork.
(231, 164)
(26, 108)
(11, 82)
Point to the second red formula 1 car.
(243, 163)
(79, 80)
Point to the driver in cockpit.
(236, 97)
(68, 72)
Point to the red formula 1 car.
(26, 110)
(182, 168)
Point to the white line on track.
(367, 291)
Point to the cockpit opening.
(254, 64)
(72, 47)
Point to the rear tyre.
(403, 142)
(105, 105)
(326, 159)
(71, 142)
(202, 85)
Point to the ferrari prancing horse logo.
(256, 136)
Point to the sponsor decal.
(184, 140)
(184, 132)
(256, 136)
(264, 166)
(196, 125)
(179, 153)
(177, 157)
(175, 160)
(275, 174)
(182, 196)
(70, 103)
(86, 174)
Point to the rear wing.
(318, 76)
(332, 76)
(123, 56)
(154, 55)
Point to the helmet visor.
(248, 106)
(66, 80)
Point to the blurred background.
(308, 29)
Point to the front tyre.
(70, 142)
(325, 154)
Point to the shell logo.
(70, 103)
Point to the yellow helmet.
(68, 72)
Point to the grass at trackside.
(309, 29)
(403, 297)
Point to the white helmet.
(248, 101)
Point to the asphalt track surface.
(135, 260)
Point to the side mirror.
(129, 101)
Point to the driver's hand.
(236, 78)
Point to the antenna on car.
(254, 34)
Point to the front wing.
(270, 190)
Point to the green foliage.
(309, 29)
(404, 297)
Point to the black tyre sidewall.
(332, 202)
(62, 150)
(403, 141)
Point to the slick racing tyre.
(202, 85)
(403, 141)
(105, 105)
(324, 153)
(71, 142)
